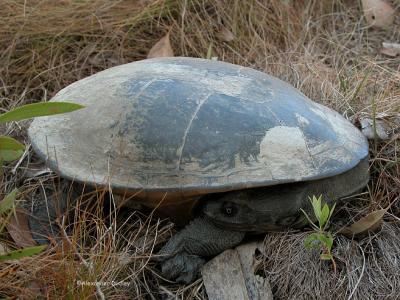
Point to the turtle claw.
(183, 267)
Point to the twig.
(14, 170)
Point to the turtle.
(230, 148)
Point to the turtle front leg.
(183, 255)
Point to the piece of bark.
(258, 287)
(230, 275)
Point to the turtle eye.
(229, 210)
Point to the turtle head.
(230, 210)
(259, 209)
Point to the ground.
(327, 49)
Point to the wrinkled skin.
(184, 252)
(226, 217)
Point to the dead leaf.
(389, 52)
(390, 49)
(378, 13)
(225, 35)
(370, 222)
(367, 128)
(386, 126)
(162, 48)
(19, 229)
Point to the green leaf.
(313, 241)
(327, 240)
(324, 216)
(10, 149)
(332, 209)
(21, 253)
(39, 109)
(8, 202)
(10, 143)
(316, 204)
(319, 241)
(10, 155)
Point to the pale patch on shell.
(286, 159)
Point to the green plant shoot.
(38, 110)
(320, 239)
(21, 253)
(8, 202)
(11, 149)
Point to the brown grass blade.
(225, 35)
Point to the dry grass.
(366, 269)
(322, 47)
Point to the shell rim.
(187, 188)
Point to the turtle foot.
(183, 267)
(184, 254)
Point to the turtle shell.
(190, 126)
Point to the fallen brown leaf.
(378, 13)
(19, 229)
(389, 52)
(225, 35)
(385, 126)
(390, 49)
(162, 48)
(370, 222)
